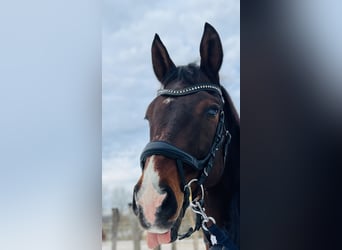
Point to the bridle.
(221, 138)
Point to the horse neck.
(223, 200)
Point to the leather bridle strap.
(168, 150)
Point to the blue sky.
(128, 82)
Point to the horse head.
(188, 138)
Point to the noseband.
(203, 166)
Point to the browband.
(189, 90)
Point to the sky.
(128, 81)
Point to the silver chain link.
(196, 206)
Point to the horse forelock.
(188, 75)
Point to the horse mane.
(232, 168)
(232, 114)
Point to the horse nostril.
(169, 206)
(134, 204)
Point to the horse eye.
(213, 111)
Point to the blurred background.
(50, 125)
(291, 124)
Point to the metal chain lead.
(197, 205)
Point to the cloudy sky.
(129, 83)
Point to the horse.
(193, 157)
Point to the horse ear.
(211, 52)
(161, 61)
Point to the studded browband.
(189, 90)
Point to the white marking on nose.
(149, 195)
(168, 100)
